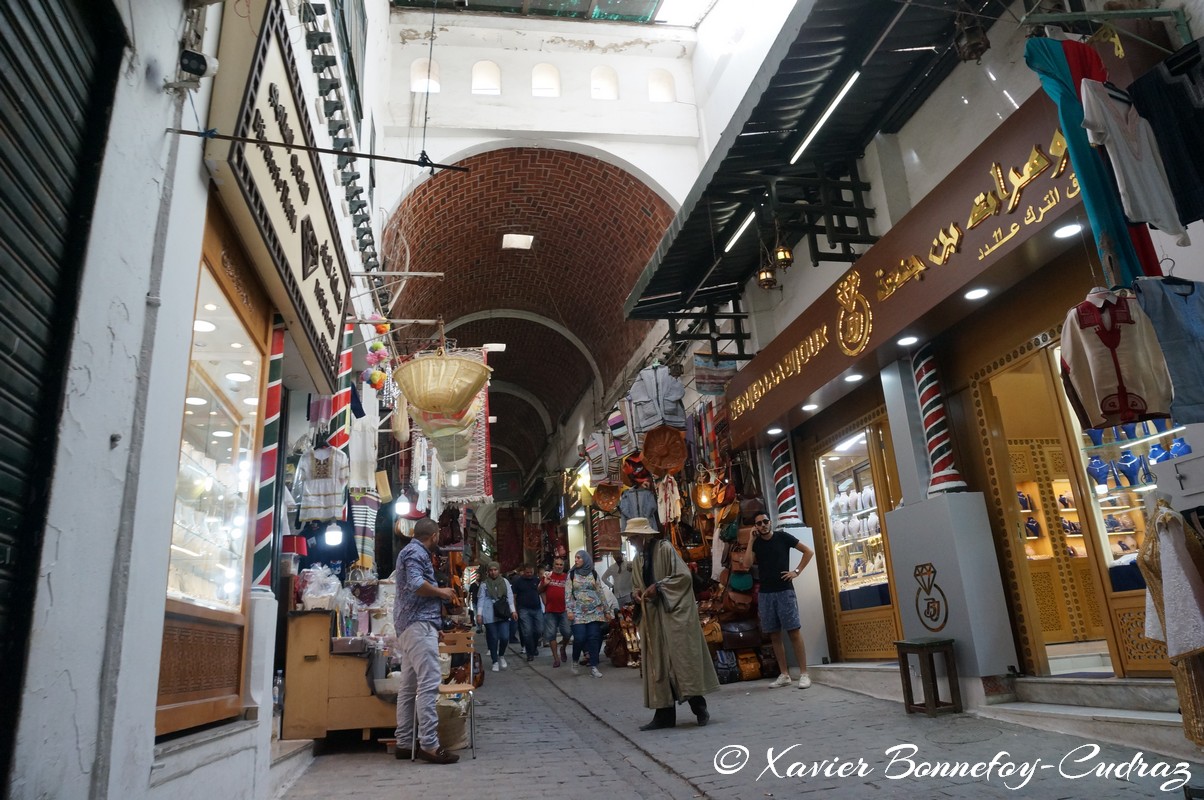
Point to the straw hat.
(639, 526)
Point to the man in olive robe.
(677, 664)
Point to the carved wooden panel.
(1021, 463)
(1051, 608)
(869, 635)
(1093, 609)
(1139, 654)
(199, 659)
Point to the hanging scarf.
(495, 587)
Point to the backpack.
(726, 666)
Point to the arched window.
(424, 76)
(486, 78)
(545, 81)
(661, 88)
(603, 84)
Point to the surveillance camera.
(198, 64)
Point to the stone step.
(290, 759)
(1152, 731)
(1136, 694)
(879, 680)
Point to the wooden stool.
(926, 648)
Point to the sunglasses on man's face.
(761, 522)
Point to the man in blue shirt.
(418, 620)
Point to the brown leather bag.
(737, 602)
(712, 632)
(740, 634)
(749, 665)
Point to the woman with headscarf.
(495, 608)
(587, 611)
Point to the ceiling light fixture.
(195, 401)
(774, 431)
(970, 40)
(1066, 231)
(203, 326)
(517, 241)
(853, 378)
(334, 534)
(810, 407)
(767, 277)
(223, 434)
(493, 466)
(250, 401)
(976, 294)
(238, 377)
(492, 419)
(210, 307)
(907, 341)
(455, 478)
(236, 345)
(827, 113)
(743, 227)
(423, 480)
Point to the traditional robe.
(675, 654)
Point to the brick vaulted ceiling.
(596, 227)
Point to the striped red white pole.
(265, 511)
(784, 488)
(340, 407)
(944, 474)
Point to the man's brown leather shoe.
(402, 753)
(437, 756)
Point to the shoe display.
(502, 661)
(804, 681)
(593, 671)
(495, 667)
(780, 681)
(437, 756)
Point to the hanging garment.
(1136, 161)
(656, 398)
(1171, 97)
(362, 446)
(1176, 310)
(322, 476)
(1175, 602)
(668, 499)
(1049, 60)
(364, 508)
(638, 502)
(1112, 367)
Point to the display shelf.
(1123, 443)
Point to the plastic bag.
(321, 588)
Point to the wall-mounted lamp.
(767, 277)
(970, 40)
(783, 256)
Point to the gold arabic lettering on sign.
(1036, 164)
(787, 366)
(947, 242)
(999, 238)
(889, 282)
(1058, 150)
(1010, 186)
(855, 321)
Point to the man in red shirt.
(554, 616)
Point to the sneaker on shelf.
(573, 666)
(594, 671)
(495, 667)
(804, 681)
(502, 661)
(782, 680)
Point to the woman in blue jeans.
(587, 611)
(493, 589)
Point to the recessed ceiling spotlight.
(213, 413)
(810, 407)
(908, 341)
(250, 401)
(238, 377)
(1066, 231)
(210, 307)
(247, 363)
(493, 466)
(517, 241)
(977, 294)
(223, 434)
(775, 431)
(203, 326)
(853, 378)
(195, 401)
(236, 345)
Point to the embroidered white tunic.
(1112, 367)
(322, 478)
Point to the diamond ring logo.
(931, 606)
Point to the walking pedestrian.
(530, 613)
(418, 620)
(555, 616)
(618, 578)
(587, 611)
(676, 662)
(495, 607)
(777, 604)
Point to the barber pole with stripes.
(340, 407)
(784, 488)
(265, 512)
(944, 477)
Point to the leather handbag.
(769, 662)
(737, 603)
(712, 632)
(740, 635)
(726, 667)
(749, 665)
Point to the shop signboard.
(278, 196)
(988, 208)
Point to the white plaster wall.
(88, 708)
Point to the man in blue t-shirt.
(777, 604)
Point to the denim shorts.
(778, 611)
(554, 623)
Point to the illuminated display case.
(854, 522)
(213, 510)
